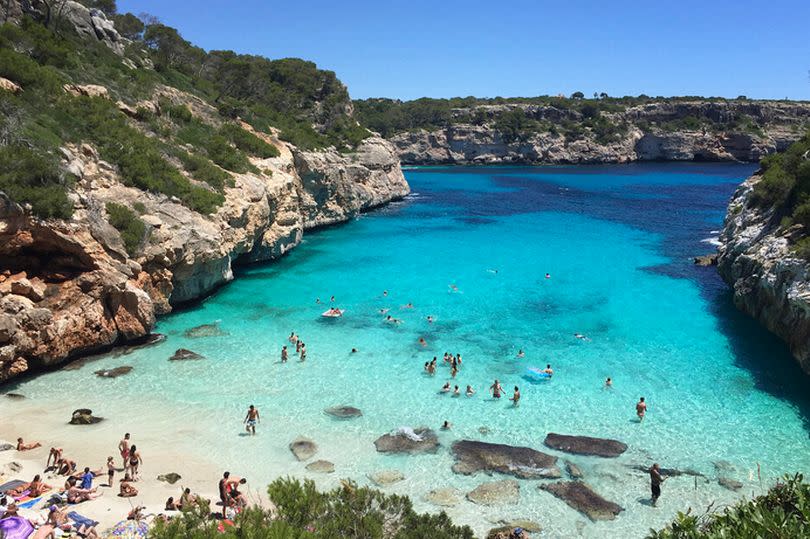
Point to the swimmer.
(446, 387)
(390, 319)
(548, 276)
(456, 392)
(470, 391)
(609, 382)
(641, 409)
(581, 336)
(493, 271)
(332, 299)
(383, 311)
(385, 293)
(496, 389)
(408, 305)
(430, 319)
(422, 341)
(453, 288)
(520, 354)
(354, 350)
(317, 301)
(516, 397)
(548, 370)
(446, 425)
(293, 338)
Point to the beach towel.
(11, 485)
(23, 496)
(81, 520)
(31, 502)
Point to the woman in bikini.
(134, 461)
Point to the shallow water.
(616, 242)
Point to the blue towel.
(30, 503)
(80, 520)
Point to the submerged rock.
(523, 462)
(114, 373)
(170, 478)
(84, 416)
(321, 466)
(384, 478)
(580, 496)
(444, 497)
(344, 412)
(573, 470)
(205, 330)
(731, 484)
(15, 396)
(303, 448)
(406, 440)
(706, 260)
(528, 525)
(181, 354)
(672, 472)
(495, 493)
(585, 445)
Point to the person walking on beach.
(251, 419)
(110, 471)
(641, 409)
(134, 462)
(123, 448)
(284, 354)
(496, 389)
(655, 482)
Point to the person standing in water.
(516, 397)
(251, 419)
(655, 482)
(303, 352)
(609, 382)
(496, 389)
(284, 354)
(641, 409)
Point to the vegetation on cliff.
(304, 512)
(781, 513)
(166, 149)
(785, 187)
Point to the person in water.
(609, 382)
(422, 341)
(446, 425)
(284, 354)
(408, 305)
(456, 392)
(548, 370)
(520, 354)
(293, 338)
(655, 482)
(385, 293)
(354, 350)
(496, 389)
(446, 387)
(430, 319)
(251, 419)
(432, 367)
(470, 391)
(515, 397)
(641, 409)
(303, 352)
(298, 343)
(548, 276)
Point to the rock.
(523, 462)
(706, 260)
(15, 396)
(9, 86)
(114, 373)
(506, 529)
(303, 448)
(729, 483)
(495, 493)
(181, 354)
(483, 431)
(321, 466)
(444, 497)
(671, 472)
(421, 440)
(8, 328)
(33, 290)
(4, 446)
(723, 466)
(384, 478)
(84, 416)
(205, 330)
(585, 445)
(573, 470)
(88, 90)
(170, 478)
(14, 467)
(527, 525)
(344, 412)
(580, 496)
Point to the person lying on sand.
(127, 490)
(35, 488)
(78, 495)
(22, 446)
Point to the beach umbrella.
(130, 529)
(15, 528)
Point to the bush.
(131, 228)
(32, 177)
(782, 513)
(217, 147)
(248, 142)
(203, 170)
(774, 188)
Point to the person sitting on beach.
(496, 389)
(608, 382)
(78, 495)
(56, 454)
(515, 397)
(641, 409)
(172, 505)
(65, 466)
(123, 449)
(3, 505)
(136, 513)
(548, 370)
(127, 489)
(446, 387)
(87, 479)
(284, 354)
(446, 425)
(456, 392)
(470, 391)
(188, 500)
(22, 446)
(232, 485)
(520, 354)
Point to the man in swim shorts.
(251, 419)
(123, 448)
(496, 389)
(641, 409)
(284, 354)
(655, 482)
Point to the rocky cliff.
(770, 282)
(69, 287)
(650, 132)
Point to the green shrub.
(202, 169)
(32, 177)
(247, 141)
(774, 188)
(217, 147)
(175, 113)
(131, 228)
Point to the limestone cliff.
(770, 282)
(69, 287)
(649, 135)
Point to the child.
(110, 471)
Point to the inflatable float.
(537, 372)
(333, 313)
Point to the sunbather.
(22, 446)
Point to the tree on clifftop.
(577, 95)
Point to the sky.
(445, 48)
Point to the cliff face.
(464, 143)
(770, 283)
(68, 288)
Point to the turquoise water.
(616, 242)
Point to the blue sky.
(444, 48)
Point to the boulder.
(523, 462)
(585, 445)
(15, 396)
(731, 484)
(170, 478)
(321, 466)
(9, 86)
(406, 440)
(5, 446)
(8, 328)
(344, 412)
(495, 493)
(88, 90)
(573, 470)
(204, 330)
(384, 478)
(506, 529)
(671, 472)
(706, 260)
(181, 354)
(303, 448)
(444, 497)
(33, 290)
(527, 525)
(113, 373)
(580, 496)
(84, 416)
